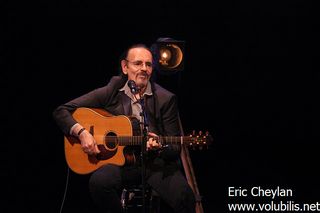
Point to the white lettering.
(257, 191)
(237, 192)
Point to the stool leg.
(123, 200)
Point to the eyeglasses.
(139, 64)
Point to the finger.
(154, 143)
(152, 134)
(96, 149)
(88, 149)
(148, 145)
(85, 149)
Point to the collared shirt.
(135, 105)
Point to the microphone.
(133, 87)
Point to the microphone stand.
(135, 91)
(145, 123)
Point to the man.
(163, 173)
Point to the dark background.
(251, 79)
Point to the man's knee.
(105, 178)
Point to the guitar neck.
(136, 140)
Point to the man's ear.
(124, 67)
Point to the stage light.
(169, 55)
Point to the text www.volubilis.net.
(272, 206)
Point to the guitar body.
(100, 124)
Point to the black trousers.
(107, 182)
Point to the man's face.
(138, 66)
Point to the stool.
(132, 200)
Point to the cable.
(65, 190)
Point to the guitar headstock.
(200, 141)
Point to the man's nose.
(144, 66)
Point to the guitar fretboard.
(136, 140)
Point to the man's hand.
(153, 144)
(88, 143)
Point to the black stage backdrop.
(251, 79)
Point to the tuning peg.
(200, 141)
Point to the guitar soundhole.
(111, 140)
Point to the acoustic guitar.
(112, 134)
